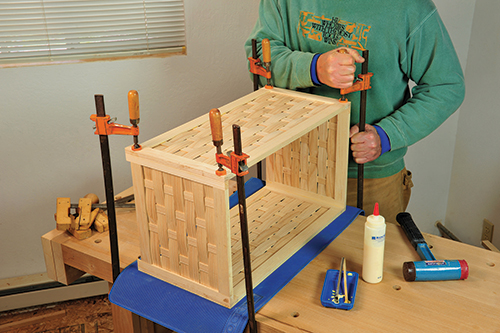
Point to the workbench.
(394, 305)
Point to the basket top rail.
(269, 120)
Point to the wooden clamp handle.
(216, 126)
(266, 50)
(133, 106)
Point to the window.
(45, 31)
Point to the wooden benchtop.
(395, 305)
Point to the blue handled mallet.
(429, 269)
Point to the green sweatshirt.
(406, 40)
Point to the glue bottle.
(373, 251)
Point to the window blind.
(52, 30)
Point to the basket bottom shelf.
(281, 219)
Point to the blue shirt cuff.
(384, 139)
(314, 74)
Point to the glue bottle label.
(378, 239)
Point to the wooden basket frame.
(187, 231)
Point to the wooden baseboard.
(53, 295)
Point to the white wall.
(431, 159)
(47, 145)
(475, 182)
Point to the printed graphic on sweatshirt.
(333, 31)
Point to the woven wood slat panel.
(307, 163)
(181, 219)
(260, 119)
(273, 221)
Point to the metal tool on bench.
(236, 162)
(105, 206)
(429, 269)
(342, 276)
(119, 203)
(361, 84)
(103, 129)
(339, 289)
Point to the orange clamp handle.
(133, 107)
(266, 50)
(216, 126)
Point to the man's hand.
(336, 69)
(365, 146)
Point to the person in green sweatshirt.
(417, 83)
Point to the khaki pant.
(392, 194)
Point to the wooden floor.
(84, 315)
